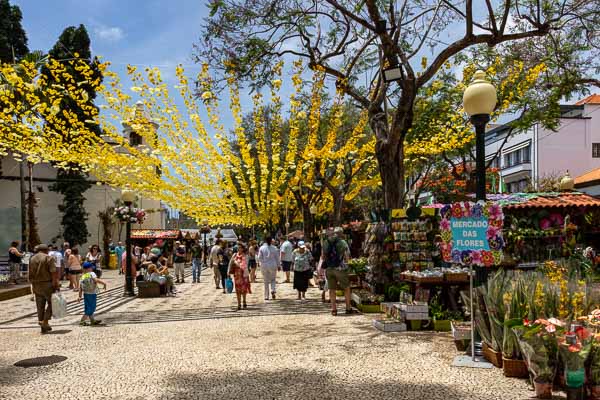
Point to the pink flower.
(555, 321)
(492, 232)
(476, 258)
(550, 328)
(495, 211)
(545, 224)
(445, 225)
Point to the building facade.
(526, 157)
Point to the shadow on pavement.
(297, 384)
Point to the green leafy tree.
(353, 42)
(13, 40)
(73, 43)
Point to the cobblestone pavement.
(197, 346)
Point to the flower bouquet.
(538, 344)
(574, 347)
(130, 214)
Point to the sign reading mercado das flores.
(472, 233)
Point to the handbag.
(59, 305)
(229, 285)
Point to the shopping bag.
(59, 305)
(229, 285)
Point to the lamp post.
(128, 198)
(479, 101)
(205, 230)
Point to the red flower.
(487, 258)
(574, 348)
(457, 211)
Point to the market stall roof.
(155, 233)
(549, 200)
(590, 178)
(190, 234)
(297, 234)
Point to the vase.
(543, 390)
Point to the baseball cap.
(301, 244)
(87, 265)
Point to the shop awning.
(155, 234)
(555, 200)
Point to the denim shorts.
(89, 302)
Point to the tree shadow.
(299, 384)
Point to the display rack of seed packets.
(413, 243)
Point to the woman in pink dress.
(238, 267)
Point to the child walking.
(88, 289)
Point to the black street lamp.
(479, 101)
(128, 198)
(205, 230)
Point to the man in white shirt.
(268, 260)
(287, 258)
(213, 262)
(58, 259)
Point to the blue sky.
(154, 33)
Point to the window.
(135, 139)
(507, 160)
(596, 150)
(516, 157)
(526, 154)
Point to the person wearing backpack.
(334, 260)
(88, 289)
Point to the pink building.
(575, 146)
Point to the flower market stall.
(163, 239)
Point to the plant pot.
(514, 368)
(543, 390)
(462, 344)
(369, 308)
(442, 325)
(415, 325)
(495, 357)
(594, 393)
(575, 393)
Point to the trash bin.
(112, 261)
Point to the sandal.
(334, 313)
(245, 306)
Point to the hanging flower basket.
(130, 214)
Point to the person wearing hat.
(88, 289)
(334, 257)
(302, 269)
(43, 277)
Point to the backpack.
(333, 259)
(87, 282)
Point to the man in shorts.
(287, 258)
(335, 262)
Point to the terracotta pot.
(543, 390)
(594, 393)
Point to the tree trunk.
(338, 203)
(392, 171)
(308, 223)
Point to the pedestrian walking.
(268, 260)
(196, 251)
(179, 262)
(94, 256)
(74, 265)
(119, 250)
(213, 261)
(15, 257)
(66, 252)
(302, 269)
(58, 260)
(335, 257)
(43, 278)
(223, 265)
(238, 268)
(252, 265)
(287, 257)
(88, 289)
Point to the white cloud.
(109, 33)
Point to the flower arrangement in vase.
(130, 214)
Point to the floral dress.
(241, 274)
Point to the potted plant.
(574, 348)
(441, 317)
(494, 303)
(516, 304)
(538, 344)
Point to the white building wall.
(97, 198)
